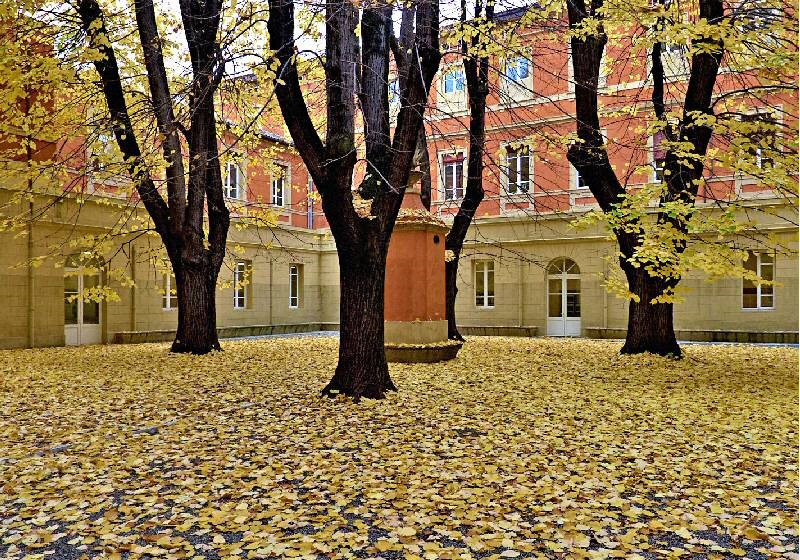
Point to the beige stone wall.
(520, 247)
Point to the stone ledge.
(700, 335)
(422, 353)
(476, 330)
(135, 337)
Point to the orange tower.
(415, 322)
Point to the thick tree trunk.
(650, 325)
(197, 317)
(451, 291)
(362, 370)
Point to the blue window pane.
(518, 69)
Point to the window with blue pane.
(454, 81)
(518, 69)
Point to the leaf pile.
(519, 448)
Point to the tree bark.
(650, 325)
(476, 70)
(179, 220)
(362, 370)
(451, 291)
(362, 240)
(197, 312)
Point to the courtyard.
(519, 448)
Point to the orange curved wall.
(414, 277)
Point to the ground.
(518, 448)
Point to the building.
(525, 270)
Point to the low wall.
(477, 330)
(775, 337)
(133, 337)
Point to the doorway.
(81, 316)
(563, 298)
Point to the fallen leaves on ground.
(519, 448)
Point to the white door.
(81, 317)
(563, 298)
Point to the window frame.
(167, 281)
(519, 154)
(284, 178)
(758, 287)
(577, 179)
(457, 188)
(296, 289)
(484, 268)
(241, 273)
(227, 189)
(454, 71)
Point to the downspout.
(521, 306)
(270, 290)
(605, 293)
(31, 290)
(132, 318)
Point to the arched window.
(563, 298)
(563, 265)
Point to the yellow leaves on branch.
(520, 448)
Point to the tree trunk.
(650, 325)
(451, 291)
(362, 370)
(197, 318)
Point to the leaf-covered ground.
(519, 448)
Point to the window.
(453, 81)
(241, 272)
(519, 168)
(659, 156)
(518, 69)
(756, 295)
(102, 151)
(453, 176)
(169, 297)
(278, 184)
(762, 139)
(233, 177)
(295, 285)
(757, 15)
(580, 182)
(394, 92)
(484, 284)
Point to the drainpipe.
(270, 290)
(132, 319)
(31, 292)
(605, 293)
(521, 318)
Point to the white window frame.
(227, 187)
(285, 181)
(516, 89)
(454, 71)
(240, 276)
(454, 101)
(167, 303)
(520, 153)
(576, 180)
(760, 265)
(485, 268)
(295, 286)
(443, 176)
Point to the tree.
(650, 320)
(476, 70)
(356, 73)
(179, 220)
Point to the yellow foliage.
(529, 448)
